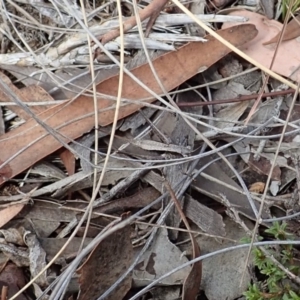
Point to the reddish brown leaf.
(108, 261)
(263, 166)
(191, 285)
(77, 117)
(13, 277)
(9, 212)
(292, 31)
(68, 160)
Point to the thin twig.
(238, 99)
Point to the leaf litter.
(52, 152)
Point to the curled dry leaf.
(77, 117)
(292, 31)
(13, 235)
(37, 258)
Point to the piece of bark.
(204, 217)
(137, 200)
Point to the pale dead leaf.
(207, 219)
(162, 257)
(263, 54)
(267, 7)
(213, 189)
(13, 235)
(222, 273)
(292, 31)
(274, 187)
(37, 258)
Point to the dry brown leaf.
(77, 117)
(292, 31)
(68, 160)
(106, 263)
(257, 187)
(14, 278)
(140, 199)
(191, 285)
(263, 54)
(9, 212)
(263, 167)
